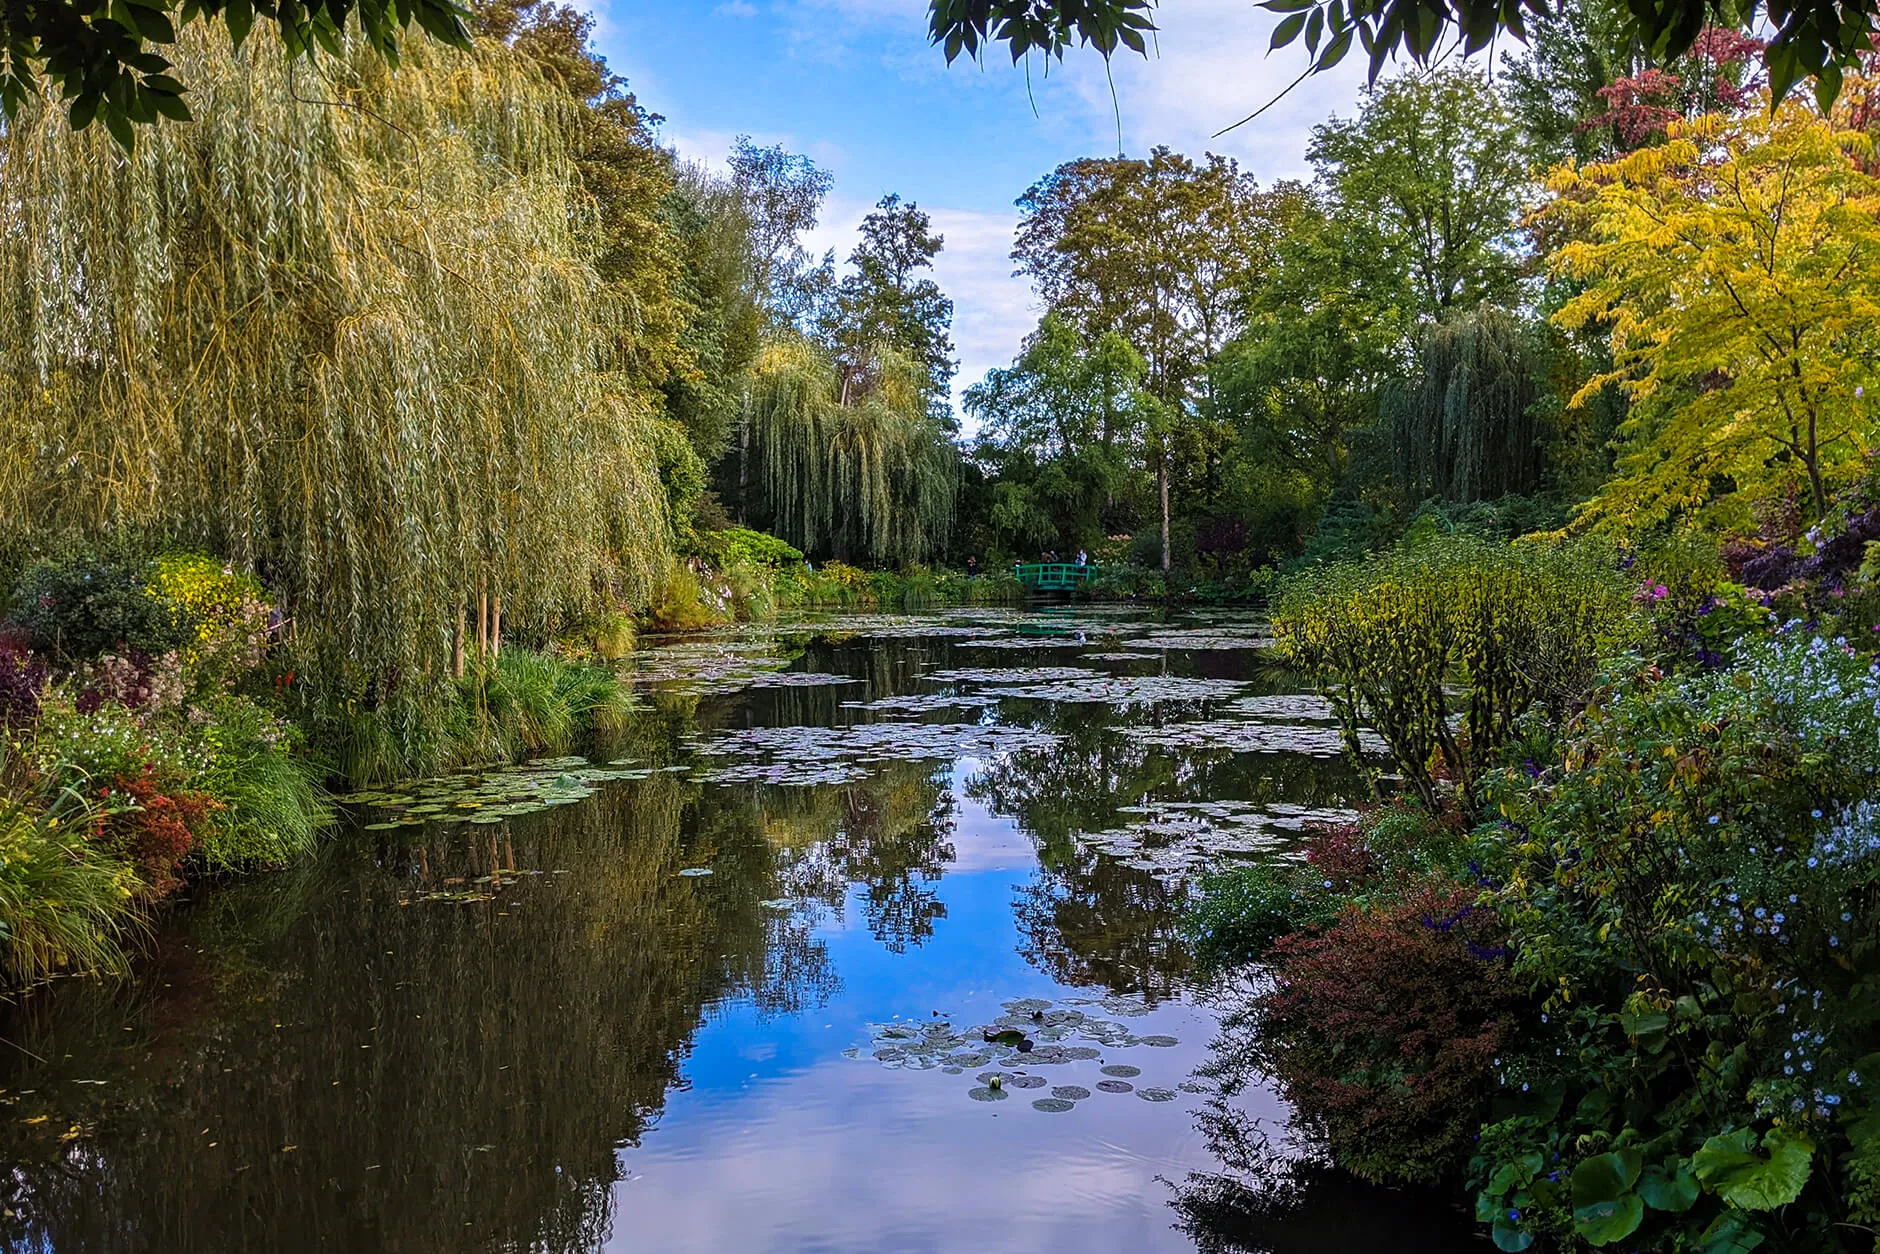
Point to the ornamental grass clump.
(65, 900)
(1442, 647)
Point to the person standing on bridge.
(1083, 558)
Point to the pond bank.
(647, 1013)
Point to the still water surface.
(732, 991)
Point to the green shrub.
(742, 545)
(1513, 625)
(1241, 912)
(86, 607)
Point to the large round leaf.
(1602, 1223)
(1668, 1190)
(1730, 1167)
(1605, 1177)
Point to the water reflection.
(540, 1035)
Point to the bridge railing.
(1054, 575)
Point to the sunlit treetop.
(104, 58)
(1817, 39)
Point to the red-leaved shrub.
(159, 832)
(1381, 1031)
(1339, 853)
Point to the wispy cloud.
(735, 8)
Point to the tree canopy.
(1822, 39)
(1736, 270)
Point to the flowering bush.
(155, 822)
(227, 612)
(137, 682)
(1694, 899)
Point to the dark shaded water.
(599, 1052)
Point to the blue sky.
(855, 84)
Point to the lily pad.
(985, 1094)
(1122, 1071)
(1156, 1094)
(1114, 1086)
(1053, 1105)
(1070, 1092)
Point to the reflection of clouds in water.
(984, 840)
(847, 1158)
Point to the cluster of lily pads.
(802, 756)
(923, 702)
(1312, 740)
(1032, 1033)
(708, 667)
(1123, 690)
(1180, 841)
(492, 796)
(1010, 674)
(1294, 707)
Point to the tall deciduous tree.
(782, 194)
(1160, 252)
(885, 302)
(1426, 176)
(1061, 430)
(1737, 270)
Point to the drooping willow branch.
(356, 343)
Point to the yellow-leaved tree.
(1737, 270)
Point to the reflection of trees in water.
(451, 1076)
(890, 834)
(1089, 921)
(1275, 1195)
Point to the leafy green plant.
(65, 900)
(1693, 896)
(271, 806)
(1512, 626)
(85, 607)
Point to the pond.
(864, 935)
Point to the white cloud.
(735, 8)
(992, 311)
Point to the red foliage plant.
(1381, 1031)
(1339, 852)
(159, 829)
(1717, 76)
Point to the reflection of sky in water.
(348, 1058)
(780, 1143)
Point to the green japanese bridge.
(1055, 576)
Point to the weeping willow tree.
(874, 479)
(343, 328)
(1463, 427)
